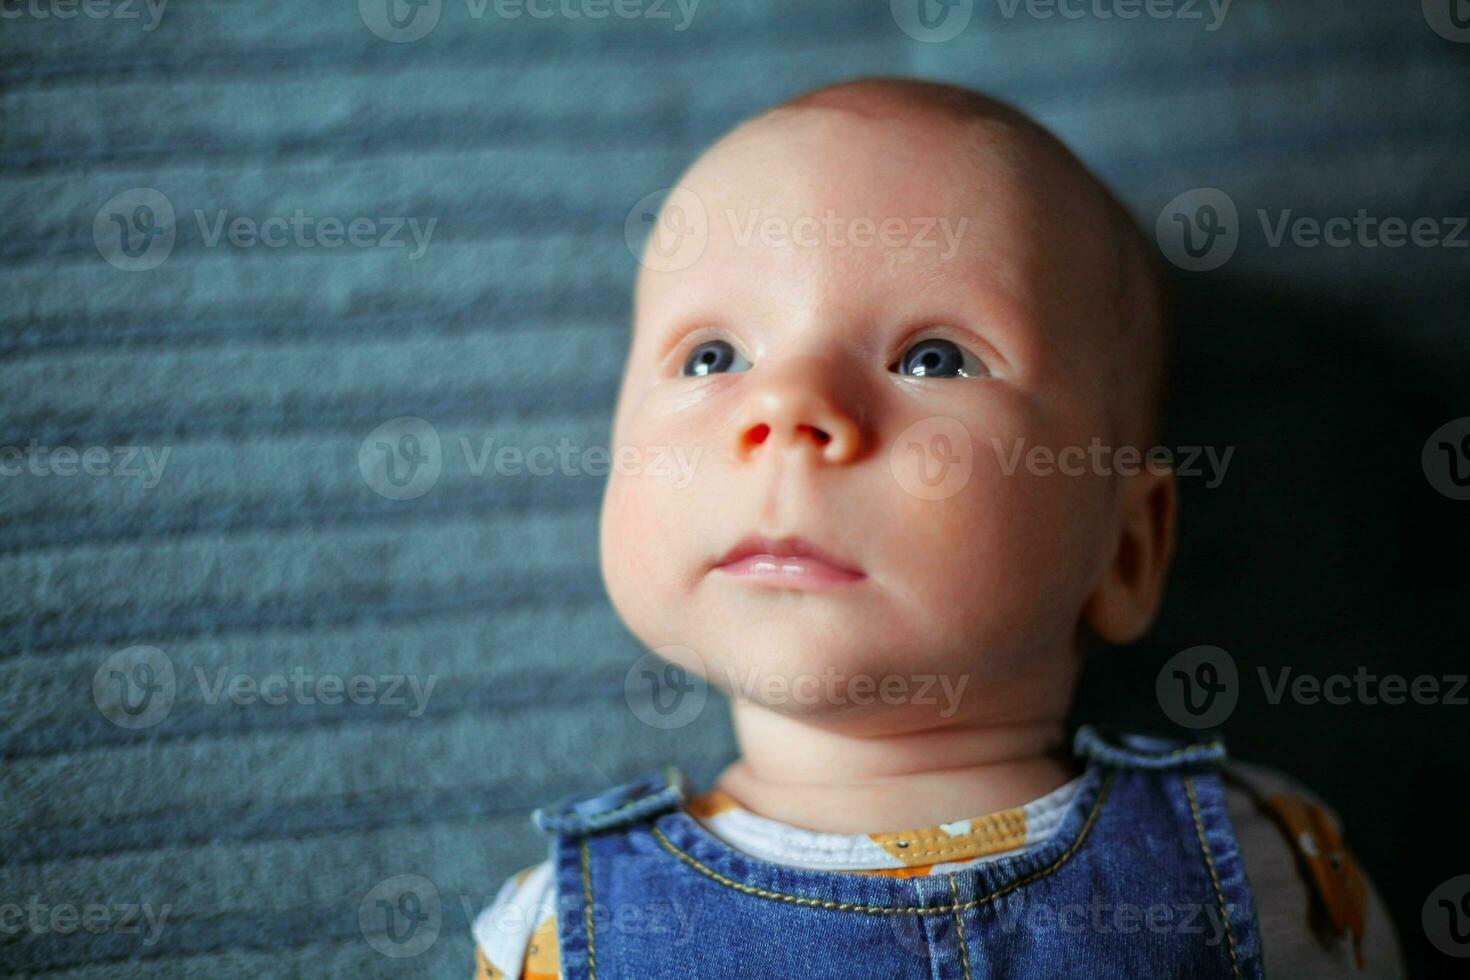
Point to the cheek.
(1007, 558)
(647, 537)
(631, 541)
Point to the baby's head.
(890, 292)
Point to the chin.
(792, 665)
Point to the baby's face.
(858, 408)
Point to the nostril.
(822, 437)
(757, 434)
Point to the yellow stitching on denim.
(587, 911)
(960, 929)
(1199, 828)
(1066, 855)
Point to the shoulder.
(1319, 914)
(516, 931)
(515, 936)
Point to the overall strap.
(1192, 773)
(574, 824)
(649, 795)
(1135, 751)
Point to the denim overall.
(1143, 878)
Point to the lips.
(786, 563)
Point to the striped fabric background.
(234, 525)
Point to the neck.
(853, 784)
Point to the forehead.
(820, 206)
(836, 158)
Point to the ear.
(1123, 605)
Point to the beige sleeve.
(1284, 894)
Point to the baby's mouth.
(788, 563)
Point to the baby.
(857, 307)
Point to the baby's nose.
(788, 412)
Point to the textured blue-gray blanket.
(264, 645)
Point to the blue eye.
(939, 358)
(713, 357)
